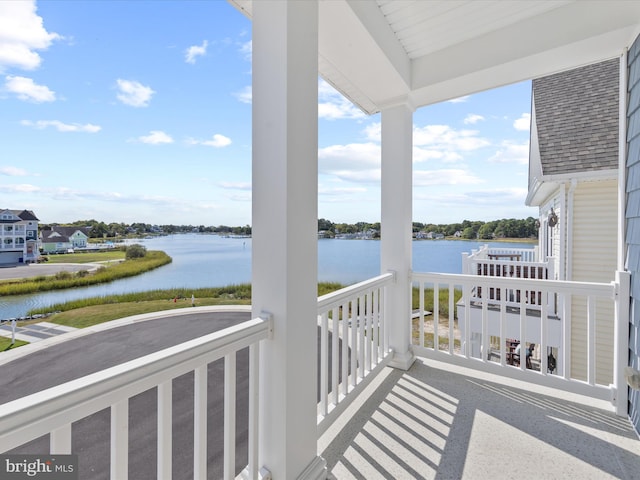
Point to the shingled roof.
(577, 119)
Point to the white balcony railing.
(354, 344)
(520, 254)
(463, 320)
(52, 411)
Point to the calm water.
(210, 261)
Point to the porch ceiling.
(381, 52)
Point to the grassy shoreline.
(91, 311)
(83, 278)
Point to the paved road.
(38, 269)
(82, 356)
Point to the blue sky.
(140, 111)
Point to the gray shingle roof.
(577, 119)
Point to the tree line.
(504, 228)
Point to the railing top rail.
(333, 299)
(560, 286)
(501, 261)
(44, 411)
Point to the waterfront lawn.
(95, 314)
(91, 311)
(108, 273)
(5, 344)
(88, 257)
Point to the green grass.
(443, 300)
(83, 278)
(89, 257)
(91, 311)
(5, 344)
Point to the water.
(211, 261)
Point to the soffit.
(381, 52)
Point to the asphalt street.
(88, 354)
(91, 353)
(38, 269)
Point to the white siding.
(593, 258)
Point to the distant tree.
(325, 225)
(135, 251)
(485, 232)
(469, 233)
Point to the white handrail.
(490, 315)
(54, 409)
(354, 317)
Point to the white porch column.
(396, 226)
(285, 178)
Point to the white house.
(18, 237)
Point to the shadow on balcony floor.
(439, 421)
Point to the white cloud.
(26, 89)
(62, 127)
(445, 137)
(436, 142)
(332, 105)
(460, 99)
(133, 93)
(354, 156)
(10, 171)
(511, 152)
(195, 51)
(217, 141)
(523, 123)
(156, 137)
(445, 143)
(21, 188)
(472, 118)
(22, 33)
(424, 178)
(340, 191)
(373, 131)
(246, 49)
(235, 185)
(244, 95)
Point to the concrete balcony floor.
(439, 421)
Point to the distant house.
(573, 180)
(18, 237)
(61, 239)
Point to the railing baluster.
(369, 330)
(345, 348)
(200, 423)
(335, 356)
(165, 431)
(229, 416)
(503, 327)
(361, 339)
(451, 319)
(375, 325)
(354, 342)
(324, 363)
(544, 320)
(254, 404)
(120, 440)
(421, 312)
(60, 440)
(436, 316)
(566, 337)
(485, 329)
(591, 340)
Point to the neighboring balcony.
(453, 414)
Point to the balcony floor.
(439, 421)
